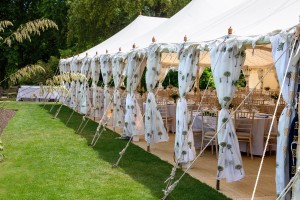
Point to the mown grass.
(45, 159)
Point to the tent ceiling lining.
(260, 57)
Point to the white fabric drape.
(227, 59)
(187, 71)
(67, 99)
(136, 63)
(118, 66)
(84, 88)
(163, 73)
(62, 71)
(282, 53)
(155, 131)
(73, 90)
(95, 69)
(73, 65)
(106, 71)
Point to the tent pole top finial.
(153, 39)
(96, 52)
(106, 51)
(120, 49)
(230, 31)
(133, 46)
(185, 38)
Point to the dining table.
(261, 125)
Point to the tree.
(171, 79)
(22, 33)
(40, 47)
(206, 78)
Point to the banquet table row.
(261, 125)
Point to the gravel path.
(5, 116)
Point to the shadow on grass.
(142, 166)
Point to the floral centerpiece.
(141, 91)
(174, 95)
(274, 96)
(267, 88)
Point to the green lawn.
(45, 159)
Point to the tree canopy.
(39, 47)
(82, 24)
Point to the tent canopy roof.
(139, 26)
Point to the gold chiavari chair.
(272, 139)
(258, 101)
(244, 126)
(209, 128)
(163, 109)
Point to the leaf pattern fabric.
(106, 71)
(73, 87)
(184, 141)
(84, 88)
(155, 131)
(227, 59)
(63, 70)
(96, 103)
(118, 66)
(133, 123)
(282, 53)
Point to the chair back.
(258, 101)
(244, 121)
(160, 102)
(282, 101)
(209, 120)
(269, 109)
(163, 109)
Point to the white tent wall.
(269, 81)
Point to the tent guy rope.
(173, 185)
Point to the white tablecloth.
(260, 126)
(33, 92)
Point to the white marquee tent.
(255, 23)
